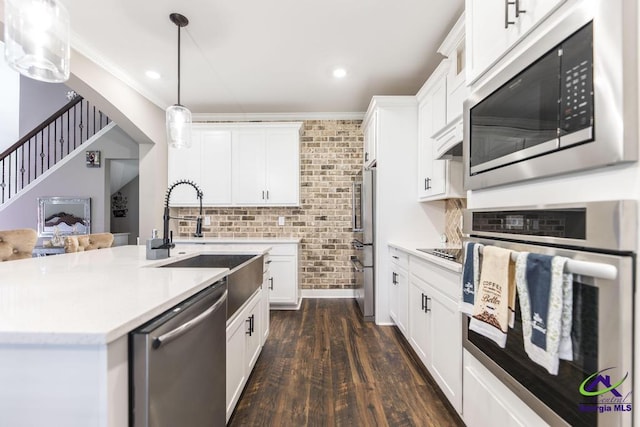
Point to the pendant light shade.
(178, 116)
(36, 36)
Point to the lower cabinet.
(244, 343)
(436, 335)
(283, 276)
(265, 321)
(490, 403)
(398, 298)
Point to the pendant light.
(178, 116)
(36, 37)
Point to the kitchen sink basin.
(243, 280)
(211, 261)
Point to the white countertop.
(412, 249)
(95, 297)
(242, 240)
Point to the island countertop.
(96, 297)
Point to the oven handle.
(357, 264)
(584, 268)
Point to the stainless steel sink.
(243, 280)
(212, 261)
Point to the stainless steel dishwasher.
(178, 364)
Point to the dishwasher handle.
(175, 333)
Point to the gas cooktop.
(449, 254)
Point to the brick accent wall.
(330, 159)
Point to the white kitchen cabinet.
(493, 28)
(243, 348)
(437, 179)
(283, 277)
(370, 131)
(435, 327)
(265, 320)
(489, 403)
(399, 290)
(207, 163)
(266, 166)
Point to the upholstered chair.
(17, 244)
(88, 242)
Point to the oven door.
(602, 337)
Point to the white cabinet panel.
(283, 280)
(419, 321)
(185, 164)
(370, 132)
(282, 167)
(249, 166)
(215, 177)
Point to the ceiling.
(276, 56)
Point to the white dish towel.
(546, 304)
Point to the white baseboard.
(328, 293)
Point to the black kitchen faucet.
(167, 238)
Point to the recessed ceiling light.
(153, 75)
(339, 73)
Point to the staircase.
(39, 150)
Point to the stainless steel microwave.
(566, 104)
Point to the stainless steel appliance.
(363, 226)
(559, 107)
(600, 241)
(178, 364)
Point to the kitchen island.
(64, 324)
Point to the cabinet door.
(424, 146)
(265, 320)
(534, 12)
(445, 331)
(403, 300)
(370, 140)
(185, 164)
(215, 159)
(486, 35)
(393, 295)
(284, 289)
(419, 320)
(253, 335)
(249, 167)
(282, 167)
(236, 362)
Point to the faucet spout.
(167, 238)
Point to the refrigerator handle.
(357, 265)
(356, 228)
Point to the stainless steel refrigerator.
(363, 208)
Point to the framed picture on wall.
(93, 159)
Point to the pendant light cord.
(179, 65)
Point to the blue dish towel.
(546, 303)
(470, 277)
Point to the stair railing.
(60, 134)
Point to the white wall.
(9, 104)
(74, 179)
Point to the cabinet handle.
(427, 309)
(262, 194)
(395, 257)
(249, 331)
(427, 184)
(267, 194)
(423, 304)
(271, 283)
(507, 3)
(253, 323)
(393, 278)
(366, 157)
(518, 10)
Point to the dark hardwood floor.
(323, 366)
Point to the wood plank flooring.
(324, 366)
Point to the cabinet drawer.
(283, 249)
(398, 257)
(444, 280)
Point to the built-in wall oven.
(600, 241)
(566, 104)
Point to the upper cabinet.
(207, 163)
(370, 131)
(494, 26)
(239, 164)
(440, 122)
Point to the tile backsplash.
(330, 159)
(453, 212)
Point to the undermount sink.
(211, 261)
(243, 280)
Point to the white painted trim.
(266, 117)
(328, 293)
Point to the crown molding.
(273, 117)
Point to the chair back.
(88, 242)
(17, 244)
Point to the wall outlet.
(207, 220)
(280, 220)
